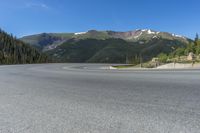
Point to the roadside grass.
(124, 66)
(150, 64)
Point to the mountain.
(48, 41)
(14, 51)
(106, 46)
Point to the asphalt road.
(84, 98)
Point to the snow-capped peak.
(144, 30)
(178, 36)
(80, 33)
(149, 31)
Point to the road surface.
(88, 98)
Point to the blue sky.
(25, 17)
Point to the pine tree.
(14, 51)
(196, 38)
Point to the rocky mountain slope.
(106, 46)
(48, 41)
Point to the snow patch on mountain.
(178, 36)
(80, 33)
(150, 31)
(143, 30)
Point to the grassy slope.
(110, 50)
(102, 46)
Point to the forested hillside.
(14, 51)
(49, 41)
(112, 50)
(107, 46)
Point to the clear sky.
(25, 17)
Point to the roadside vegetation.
(188, 54)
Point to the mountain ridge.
(107, 46)
(49, 41)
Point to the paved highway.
(85, 98)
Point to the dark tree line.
(14, 51)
